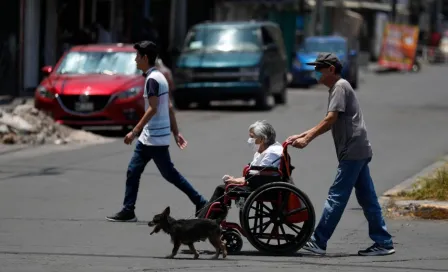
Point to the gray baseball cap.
(325, 60)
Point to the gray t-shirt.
(349, 131)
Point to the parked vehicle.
(93, 85)
(303, 74)
(229, 61)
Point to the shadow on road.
(48, 171)
(261, 254)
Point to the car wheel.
(415, 67)
(203, 104)
(281, 98)
(181, 104)
(354, 81)
(262, 100)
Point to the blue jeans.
(352, 173)
(161, 156)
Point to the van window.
(223, 39)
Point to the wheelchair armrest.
(231, 186)
(264, 168)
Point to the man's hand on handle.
(299, 140)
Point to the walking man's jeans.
(352, 173)
(161, 156)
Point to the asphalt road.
(52, 207)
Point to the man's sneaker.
(313, 247)
(123, 216)
(376, 250)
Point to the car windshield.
(109, 63)
(312, 46)
(223, 39)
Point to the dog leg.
(195, 252)
(223, 249)
(216, 242)
(175, 250)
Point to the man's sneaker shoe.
(376, 250)
(123, 216)
(313, 247)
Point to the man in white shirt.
(155, 131)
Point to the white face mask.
(253, 145)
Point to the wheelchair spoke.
(272, 233)
(259, 208)
(284, 233)
(294, 228)
(265, 225)
(265, 206)
(284, 202)
(296, 211)
(259, 216)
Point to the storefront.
(9, 48)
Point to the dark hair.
(148, 49)
(337, 69)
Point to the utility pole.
(318, 17)
(394, 10)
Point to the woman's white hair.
(263, 130)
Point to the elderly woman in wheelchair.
(271, 207)
(262, 140)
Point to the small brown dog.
(188, 232)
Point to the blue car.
(303, 74)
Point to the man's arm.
(152, 87)
(323, 126)
(173, 121)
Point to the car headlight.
(132, 92)
(42, 91)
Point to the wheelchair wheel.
(284, 227)
(233, 240)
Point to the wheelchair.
(275, 216)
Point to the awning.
(401, 8)
(274, 4)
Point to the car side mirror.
(47, 69)
(271, 47)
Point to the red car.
(93, 85)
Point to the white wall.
(31, 44)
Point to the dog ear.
(166, 212)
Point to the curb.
(424, 208)
(407, 184)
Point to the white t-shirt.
(158, 130)
(269, 157)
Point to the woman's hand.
(236, 181)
